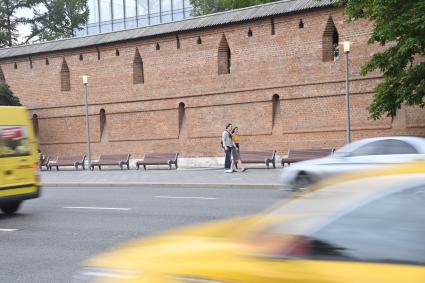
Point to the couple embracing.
(230, 140)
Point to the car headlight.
(90, 274)
(188, 279)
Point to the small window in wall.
(2, 78)
(275, 108)
(65, 77)
(47, 62)
(330, 42)
(31, 65)
(178, 41)
(199, 41)
(301, 24)
(15, 66)
(102, 121)
(138, 72)
(35, 124)
(182, 114)
(273, 31)
(157, 47)
(117, 52)
(224, 57)
(98, 53)
(81, 57)
(249, 33)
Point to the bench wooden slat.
(159, 159)
(112, 159)
(76, 160)
(257, 156)
(297, 155)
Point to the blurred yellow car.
(363, 228)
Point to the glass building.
(113, 15)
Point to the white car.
(359, 155)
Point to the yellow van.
(19, 178)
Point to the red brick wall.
(144, 117)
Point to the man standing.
(226, 140)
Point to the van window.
(14, 141)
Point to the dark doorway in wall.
(35, 124)
(182, 116)
(275, 109)
(138, 72)
(65, 76)
(330, 42)
(102, 121)
(224, 57)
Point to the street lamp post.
(85, 83)
(347, 92)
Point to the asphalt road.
(50, 236)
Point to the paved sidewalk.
(188, 178)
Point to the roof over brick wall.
(212, 20)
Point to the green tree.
(399, 26)
(203, 7)
(7, 97)
(56, 19)
(9, 21)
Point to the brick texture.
(146, 117)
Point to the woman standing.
(236, 162)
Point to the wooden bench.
(112, 159)
(158, 159)
(265, 156)
(76, 160)
(296, 155)
(44, 161)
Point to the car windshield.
(353, 223)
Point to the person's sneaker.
(244, 169)
(228, 171)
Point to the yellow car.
(363, 228)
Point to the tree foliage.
(57, 19)
(203, 7)
(399, 25)
(9, 21)
(7, 97)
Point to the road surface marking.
(99, 208)
(8, 230)
(183, 197)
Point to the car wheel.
(303, 181)
(9, 208)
